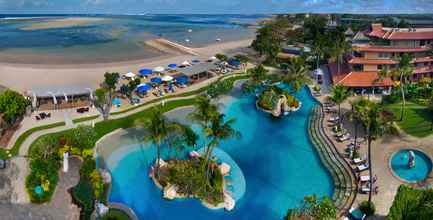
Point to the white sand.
(22, 77)
(63, 22)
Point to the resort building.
(383, 48)
(60, 97)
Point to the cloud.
(216, 6)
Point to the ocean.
(110, 38)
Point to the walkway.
(59, 208)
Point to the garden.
(414, 114)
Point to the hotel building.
(383, 48)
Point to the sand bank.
(63, 22)
(22, 77)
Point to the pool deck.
(382, 150)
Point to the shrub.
(83, 195)
(367, 208)
(13, 105)
(411, 203)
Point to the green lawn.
(115, 214)
(416, 121)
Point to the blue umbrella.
(173, 65)
(196, 61)
(144, 72)
(182, 79)
(143, 88)
(156, 80)
(234, 62)
(116, 101)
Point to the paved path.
(59, 208)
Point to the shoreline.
(34, 75)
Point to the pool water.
(399, 165)
(275, 156)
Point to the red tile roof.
(365, 79)
(356, 79)
(400, 34)
(370, 48)
(361, 60)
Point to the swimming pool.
(277, 160)
(399, 165)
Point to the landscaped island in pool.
(276, 159)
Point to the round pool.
(400, 165)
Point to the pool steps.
(343, 176)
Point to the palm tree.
(376, 123)
(319, 47)
(339, 94)
(158, 128)
(218, 131)
(338, 49)
(405, 69)
(430, 106)
(296, 75)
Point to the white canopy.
(186, 63)
(130, 75)
(212, 58)
(167, 78)
(159, 69)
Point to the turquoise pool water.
(275, 156)
(399, 165)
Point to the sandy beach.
(22, 77)
(63, 23)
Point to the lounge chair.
(333, 119)
(364, 178)
(362, 167)
(359, 160)
(345, 137)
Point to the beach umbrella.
(212, 58)
(116, 101)
(167, 78)
(172, 65)
(234, 62)
(159, 69)
(156, 80)
(143, 87)
(182, 79)
(195, 61)
(186, 63)
(144, 72)
(130, 75)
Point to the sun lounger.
(362, 167)
(344, 137)
(365, 189)
(333, 119)
(364, 178)
(358, 160)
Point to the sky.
(215, 6)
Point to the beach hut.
(156, 80)
(145, 72)
(172, 65)
(159, 69)
(143, 87)
(167, 78)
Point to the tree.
(242, 58)
(339, 94)
(12, 105)
(221, 57)
(339, 47)
(404, 70)
(132, 85)
(104, 95)
(296, 75)
(266, 43)
(218, 131)
(319, 48)
(314, 208)
(410, 203)
(83, 137)
(258, 74)
(376, 123)
(157, 129)
(430, 107)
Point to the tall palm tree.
(405, 69)
(218, 131)
(296, 75)
(376, 123)
(158, 128)
(319, 48)
(338, 49)
(339, 94)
